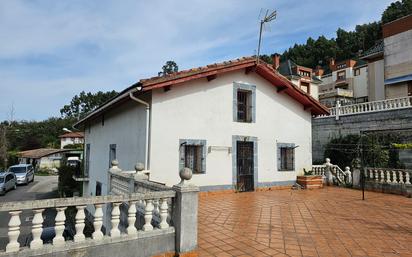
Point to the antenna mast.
(268, 18)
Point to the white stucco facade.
(124, 127)
(202, 110)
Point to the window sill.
(286, 170)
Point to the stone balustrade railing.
(341, 177)
(375, 106)
(389, 176)
(133, 201)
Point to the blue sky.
(51, 50)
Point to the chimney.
(276, 61)
(332, 64)
(319, 72)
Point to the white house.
(71, 138)
(237, 125)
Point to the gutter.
(146, 161)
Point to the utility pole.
(268, 18)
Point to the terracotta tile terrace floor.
(325, 222)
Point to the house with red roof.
(238, 125)
(71, 138)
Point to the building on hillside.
(390, 61)
(238, 125)
(303, 77)
(71, 138)
(347, 82)
(47, 158)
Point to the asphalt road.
(43, 187)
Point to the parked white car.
(24, 173)
(7, 182)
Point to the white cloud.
(51, 50)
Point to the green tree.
(169, 68)
(84, 103)
(397, 10)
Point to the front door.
(245, 166)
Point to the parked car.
(7, 182)
(24, 173)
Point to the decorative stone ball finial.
(139, 167)
(185, 175)
(327, 161)
(115, 166)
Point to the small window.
(305, 87)
(341, 75)
(244, 107)
(193, 155)
(410, 88)
(286, 157)
(98, 188)
(193, 158)
(112, 154)
(357, 72)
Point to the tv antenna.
(268, 18)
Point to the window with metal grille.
(287, 156)
(244, 106)
(194, 158)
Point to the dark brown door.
(245, 166)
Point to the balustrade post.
(185, 213)
(382, 176)
(14, 232)
(407, 178)
(376, 175)
(163, 213)
(80, 218)
(115, 232)
(371, 174)
(400, 177)
(388, 177)
(394, 179)
(37, 229)
(98, 222)
(131, 218)
(148, 214)
(59, 226)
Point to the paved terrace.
(326, 222)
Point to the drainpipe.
(146, 161)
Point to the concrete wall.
(376, 86)
(360, 83)
(325, 129)
(204, 110)
(398, 55)
(125, 126)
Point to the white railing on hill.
(375, 106)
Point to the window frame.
(286, 146)
(182, 154)
(87, 160)
(251, 102)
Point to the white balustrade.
(376, 175)
(148, 215)
(382, 176)
(115, 232)
(375, 106)
(394, 179)
(98, 222)
(14, 232)
(407, 178)
(160, 198)
(131, 218)
(59, 226)
(37, 229)
(80, 218)
(388, 176)
(163, 213)
(400, 177)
